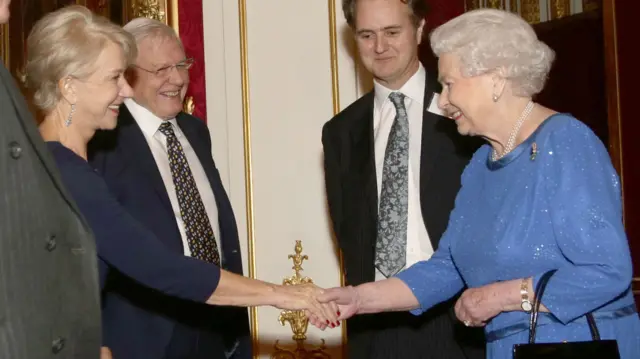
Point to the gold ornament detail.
(189, 105)
(590, 5)
(471, 5)
(297, 319)
(148, 8)
(495, 4)
(513, 6)
(530, 11)
(559, 8)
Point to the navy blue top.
(124, 244)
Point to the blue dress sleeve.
(434, 280)
(437, 279)
(583, 193)
(130, 248)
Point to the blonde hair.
(65, 43)
(488, 39)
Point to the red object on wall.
(441, 11)
(192, 36)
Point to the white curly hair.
(488, 40)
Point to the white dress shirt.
(150, 124)
(418, 244)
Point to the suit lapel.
(363, 160)
(226, 220)
(138, 148)
(431, 146)
(199, 146)
(430, 139)
(204, 156)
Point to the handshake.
(324, 307)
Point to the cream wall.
(273, 59)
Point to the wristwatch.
(525, 303)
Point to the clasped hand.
(325, 308)
(476, 306)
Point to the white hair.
(143, 27)
(494, 40)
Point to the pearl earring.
(495, 98)
(67, 122)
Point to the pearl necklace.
(512, 137)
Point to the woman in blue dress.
(542, 194)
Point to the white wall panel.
(289, 97)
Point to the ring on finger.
(467, 323)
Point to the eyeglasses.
(182, 66)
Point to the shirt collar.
(413, 88)
(148, 122)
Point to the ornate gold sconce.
(148, 8)
(296, 318)
(161, 10)
(189, 105)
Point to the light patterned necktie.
(202, 242)
(391, 244)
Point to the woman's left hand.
(476, 306)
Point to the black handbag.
(596, 348)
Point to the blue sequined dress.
(552, 203)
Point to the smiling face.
(162, 94)
(467, 100)
(99, 96)
(387, 40)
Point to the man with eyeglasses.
(158, 164)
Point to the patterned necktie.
(202, 242)
(391, 243)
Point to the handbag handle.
(533, 318)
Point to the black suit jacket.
(49, 290)
(353, 205)
(139, 322)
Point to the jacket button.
(57, 345)
(51, 243)
(235, 251)
(15, 151)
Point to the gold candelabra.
(297, 319)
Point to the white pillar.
(288, 96)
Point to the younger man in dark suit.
(392, 168)
(158, 164)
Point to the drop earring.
(67, 122)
